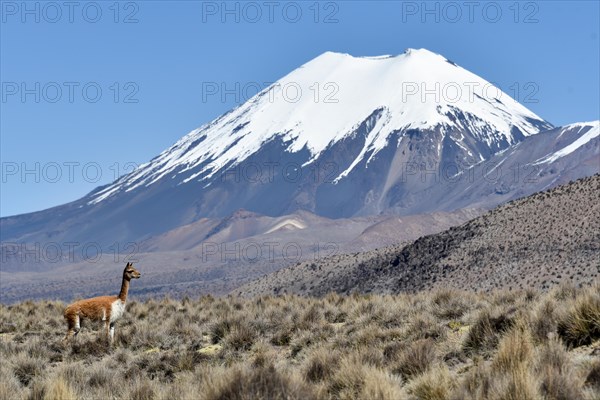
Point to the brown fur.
(98, 308)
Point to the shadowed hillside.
(189, 261)
(535, 242)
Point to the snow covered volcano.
(336, 97)
(337, 136)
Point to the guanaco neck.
(124, 289)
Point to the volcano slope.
(537, 242)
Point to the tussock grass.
(485, 332)
(416, 358)
(592, 379)
(427, 346)
(515, 350)
(580, 324)
(244, 383)
(435, 384)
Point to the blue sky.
(91, 89)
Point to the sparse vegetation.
(542, 241)
(438, 345)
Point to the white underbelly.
(116, 310)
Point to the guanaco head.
(130, 272)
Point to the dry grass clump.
(356, 380)
(9, 384)
(25, 368)
(580, 324)
(487, 329)
(241, 337)
(558, 380)
(514, 351)
(592, 379)
(427, 346)
(450, 304)
(245, 383)
(59, 389)
(417, 358)
(521, 370)
(320, 366)
(435, 384)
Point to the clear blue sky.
(166, 52)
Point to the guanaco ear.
(128, 265)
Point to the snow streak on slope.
(326, 99)
(593, 132)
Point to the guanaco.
(104, 308)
